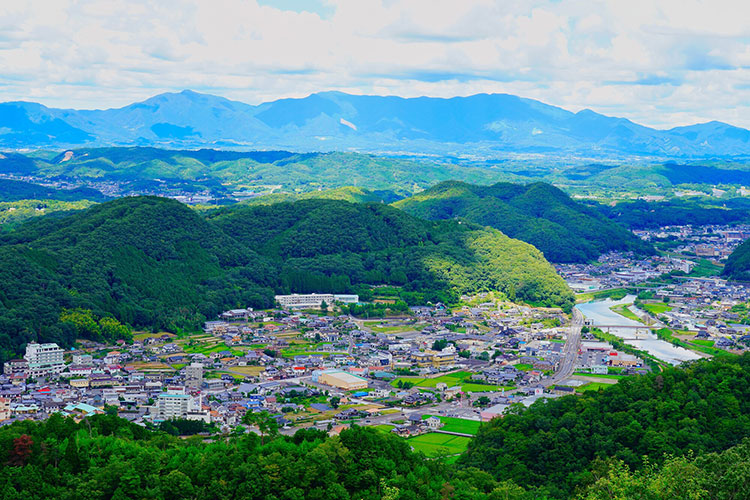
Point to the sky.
(661, 63)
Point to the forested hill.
(540, 214)
(155, 263)
(564, 444)
(738, 263)
(377, 244)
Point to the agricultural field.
(453, 424)
(611, 376)
(150, 366)
(302, 347)
(593, 386)
(451, 379)
(380, 327)
(249, 370)
(147, 335)
(705, 268)
(434, 444)
(703, 342)
(210, 347)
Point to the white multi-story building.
(314, 300)
(175, 403)
(44, 359)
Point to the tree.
(266, 424)
(114, 330)
(21, 451)
(335, 400)
(439, 345)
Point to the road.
(570, 351)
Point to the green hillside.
(151, 170)
(540, 214)
(378, 244)
(155, 263)
(564, 444)
(11, 190)
(346, 193)
(737, 266)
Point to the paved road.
(570, 351)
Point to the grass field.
(384, 427)
(392, 329)
(593, 386)
(704, 268)
(143, 366)
(453, 424)
(249, 370)
(524, 367)
(656, 308)
(435, 445)
(451, 380)
(594, 375)
(623, 310)
(703, 342)
(210, 347)
(668, 335)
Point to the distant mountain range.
(328, 121)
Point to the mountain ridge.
(484, 124)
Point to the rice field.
(434, 444)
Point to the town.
(431, 375)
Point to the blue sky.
(662, 63)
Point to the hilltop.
(154, 263)
(538, 213)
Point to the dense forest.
(11, 190)
(154, 263)
(538, 213)
(559, 444)
(675, 435)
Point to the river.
(599, 313)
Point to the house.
(434, 423)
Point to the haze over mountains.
(481, 124)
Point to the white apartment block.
(314, 300)
(44, 359)
(175, 403)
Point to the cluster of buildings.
(712, 242)
(292, 364)
(619, 269)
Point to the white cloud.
(662, 63)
